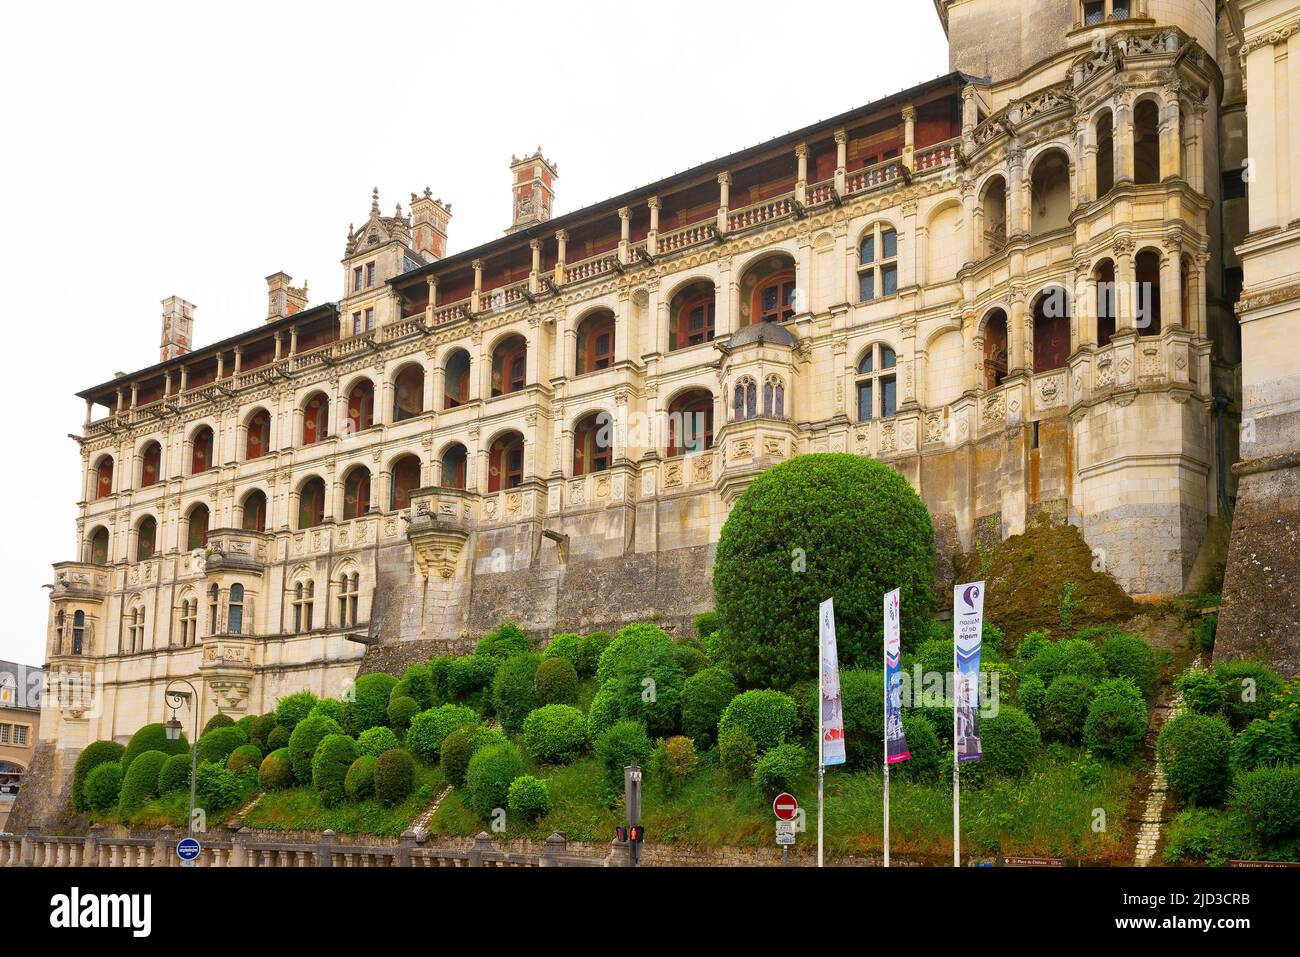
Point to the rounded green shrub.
(705, 695)
(506, 642)
(1065, 709)
(563, 646)
(439, 669)
(1128, 656)
(640, 679)
(707, 623)
(1269, 799)
(218, 720)
(623, 743)
(1031, 696)
(817, 525)
(459, 746)
(555, 733)
(1248, 691)
(527, 797)
(673, 759)
(1195, 750)
(216, 788)
(359, 782)
(375, 741)
(140, 784)
(309, 733)
(175, 774)
(429, 728)
(767, 716)
(1009, 741)
(862, 694)
(1074, 657)
(278, 738)
(1264, 744)
(219, 743)
(512, 690)
(292, 708)
(276, 772)
(243, 758)
(329, 767)
(923, 746)
(690, 656)
(1032, 644)
(91, 757)
(394, 777)
(488, 778)
(260, 730)
(779, 768)
(103, 786)
(1117, 719)
(469, 675)
(246, 723)
(1201, 690)
(556, 682)
(416, 682)
(367, 704)
(400, 712)
(331, 708)
(736, 753)
(152, 737)
(590, 648)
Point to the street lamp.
(175, 699)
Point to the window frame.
(879, 264)
(873, 379)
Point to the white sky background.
(156, 149)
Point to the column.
(278, 346)
(1171, 144)
(534, 276)
(532, 358)
(1085, 303)
(909, 136)
(624, 234)
(652, 238)
(1016, 330)
(562, 240)
(432, 283)
(167, 383)
(623, 325)
(119, 400)
(1086, 151)
(801, 180)
(477, 294)
(221, 365)
(724, 200)
(1123, 138)
(1124, 281)
(725, 318)
(1171, 286)
(135, 393)
(239, 358)
(1015, 193)
(973, 344)
(841, 159)
(293, 341)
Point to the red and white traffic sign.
(785, 807)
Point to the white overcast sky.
(153, 149)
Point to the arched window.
(745, 399)
(1105, 159)
(455, 380)
(361, 406)
(506, 462)
(235, 612)
(349, 591)
(1049, 193)
(1146, 311)
(878, 263)
(593, 443)
(1146, 142)
(774, 397)
(408, 393)
(254, 509)
(595, 342)
(877, 383)
(311, 503)
(315, 418)
(454, 470)
(146, 538)
(201, 451)
(104, 477)
(509, 365)
(196, 533)
(406, 477)
(356, 493)
(150, 465)
(1103, 278)
(214, 608)
(1051, 330)
(135, 630)
(767, 290)
(995, 349)
(60, 624)
(692, 315)
(303, 603)
(189, 621)
(259, 435)
(78, 632)
(690, 422)
(99, 546)
(993, 211)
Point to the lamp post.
(175, 699)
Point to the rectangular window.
(888, 397)
(20, 734)
(1094, 12)
(889, 280)
(370, 275)
(864, 402)
(889, 244)
(1234, 184)
(868, 250)
(1119, 10)
(356, 279)
(370, 319)
(867, 286)
(356, 323)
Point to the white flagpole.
(885, 666)
(821, 741)
(956, 774)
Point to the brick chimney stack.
(429, 219)
(177, 327)
(533, 189)
(282, 298)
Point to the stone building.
(20, 724)
(1013, 283)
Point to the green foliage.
(1269, 800)
(555, 733)
(1206, 835)
(141, 780)
(736, 753)
(394, 777)
(1009, 741)
(1128, 656)
(623, 743)
(1032, 644)
(218, 720)
(216, 789)
(459, 746)
(769, 717)
(1202, 691)
(1264, 743)
(359, 782)
(1117, 719)
(707, 623)
(1072, 656)
(91, 757)
(640, 680)
(399, 713)
(429, 728)
(862, 694)
(368, 704)
(260, 730)
(506, 642)
(246, 723)
(1065, 709)
(293, 708)
(1032, 696)
(1194, 750)
(1067, 603)
(924, 747)
(564, 646)
(705, 695)
(309, 733)
(152, 737)
(278, 738)
(528, 797)
(375, 741)
(175, 774)
(934, 654)
(242, 758)
(691, 657)
(331, 708)
(329, 767)
(512, 690)
(488, 778)
(417, 683)
(439, 670)
(469, 674)
(276, 772)
(779, 768)
(219, 743)
(817, 525)
(673, 759)
(556, 682)
(1249, 689)
(1207, 627)
(102, 787)
(590, 648)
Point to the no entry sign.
(785, 807)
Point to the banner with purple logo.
(967, 628)
(832, 724)
(895, 742)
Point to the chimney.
(282, 298)
(429, 219)
(533, 189)
(177, 327)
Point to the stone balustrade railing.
(757, 214)
(873, 177)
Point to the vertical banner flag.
(967, 627)
(832, 708)
(895, 743)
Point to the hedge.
(1202, 691)
(244, 757)
(302, 743)
(766, 716)
(367, 706)
(429, 728)
(1009, 741)
(91, 757)
(640, 679)
(621, 744)
(1065, 708)
(1248, 691)
(329, 767)
(293, 708)
(555, 733)
(331, 708)
(276, 772)
(1031, 696)
(359, 782)
(218, 720)
(102, 787)
(152, 737)
(527, 796)
(1264, 744)
(1194, 750)
(416, 682)
(705, 695)
(924, 747)
(673, 759)
(556, 682)
(141, 781)
(469, 674)
(1073, 656)
(512, 690)
(488, 778)
(506, 642)
(259, 732)
(375, 741)
(1269, 799)
(564, 646)
(779, 768)
(736, 753)
(691, 657)
(175, 774)
(394, 777)
(439, 668)
(817, 525)
(219, 743)
(278, 738)
(216, 788)
(1117, 719)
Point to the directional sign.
(785, 807)
(188, 849)
(784, 832)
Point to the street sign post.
(632, 803)
(188, 850)
(784, 833)
(785, 807)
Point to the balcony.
(80, 580)
(441, 519)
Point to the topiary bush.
(506, 642)
(367, 704)
(329, 767)
(1065, 708)
(639, 660)
(556, 682)
(103, 786)
(400, 712)
(219, 743)
(1202, 691)
(1128, 656)
(673, 759)
(276, 772)
(623, 743)
(590, 648)
(1264, 744)
(293, 708)
(705, 695)
(1032, 644)
(527, 797)
(259, 732)
(1249, 689)
(175, 774)
(439, 669)
(309, 733)
(394, 777)
(555, 733)
(429, 728)
(152, 737)
(1031, 696)
(375, 741)
(488, 778)
(359, 782)
(459, 746)
(1074, 657)
(1269, 799)
(767, 716)
(1009, 741)
(469, 676)
(690, 656)
(91, 757)
(778, 769)
(707, 623)
(564, 646)
(278, 738)
(140, 783)
(244, 758)
(331, 708)
(218, 720)
(417, 683)
(817, 525)
(216, 789)
(1117, 719)
(736, 753)
(1195, 750)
